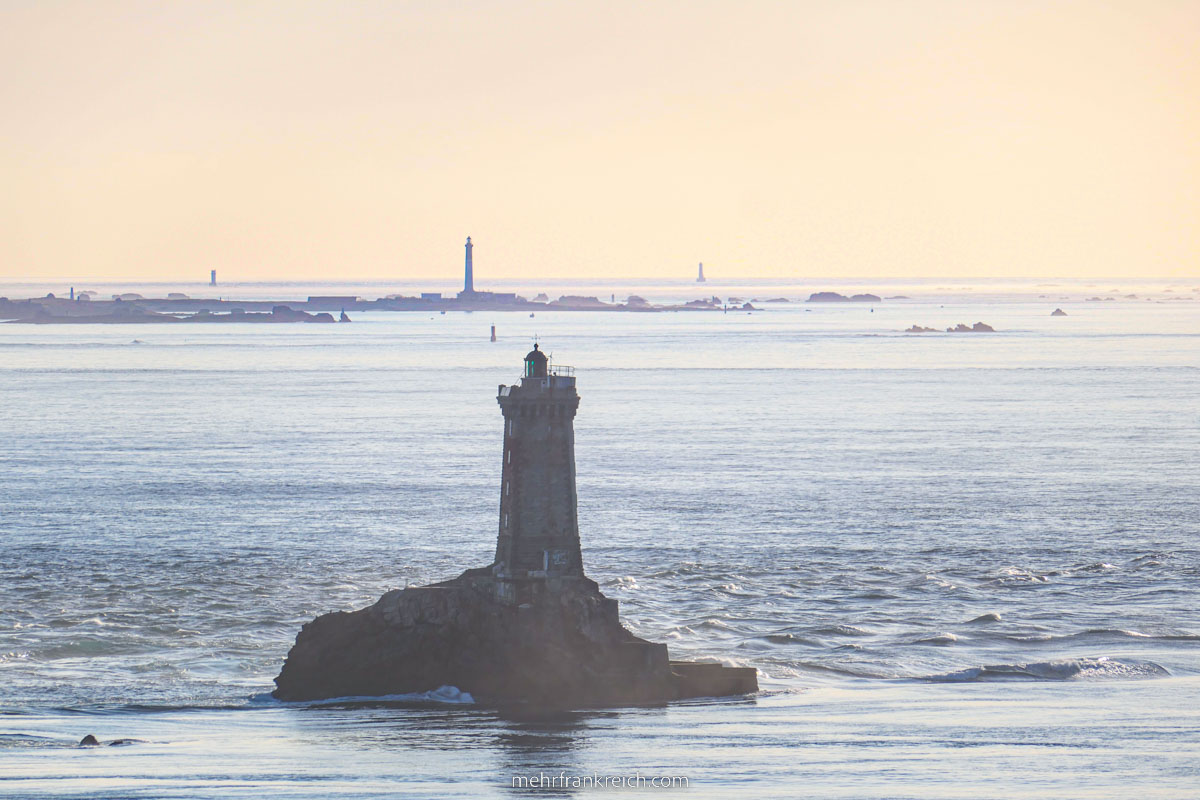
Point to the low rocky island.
(1058, 312)
(563, 647)
(978, 327)
(126, 312)
(529, 629)
(835, 297)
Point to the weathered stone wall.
(538, 505)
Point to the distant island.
(127, 309)
(121, 312)
(131, 308)
(835, 297)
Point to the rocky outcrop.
(1058, 312)
(978, 327)
(835, 297)
(565, 647)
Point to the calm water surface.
(965, 565)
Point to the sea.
(965, 565)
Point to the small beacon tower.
(538, 544)
(700, 277)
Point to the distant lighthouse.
(539, 525)
(469, 280)
(700, 277)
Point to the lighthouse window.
(506, 520)
(508, 457)
(507, 485)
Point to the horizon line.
(778, 280)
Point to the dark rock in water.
(978, 327)
(920, 329)
(865, 298)
(92, 741)
(1058, 312)
(566, 646)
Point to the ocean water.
(964, 565)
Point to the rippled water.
(964, 565)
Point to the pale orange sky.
(331, 140)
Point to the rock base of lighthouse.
(563, 646)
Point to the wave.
(14, 740)
(844, 630)
(1072, 669)
(1103, 633)
(812, 666)
(444, 695)
(940, 639)
(789, 638)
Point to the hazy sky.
(306, 140)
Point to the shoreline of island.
(135, 309)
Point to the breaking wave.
(1071, 669)
(448, 695)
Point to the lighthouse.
(538, 542)
(469, 278)
(530, 628)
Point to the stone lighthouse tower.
(538, 545)
(469, 271)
